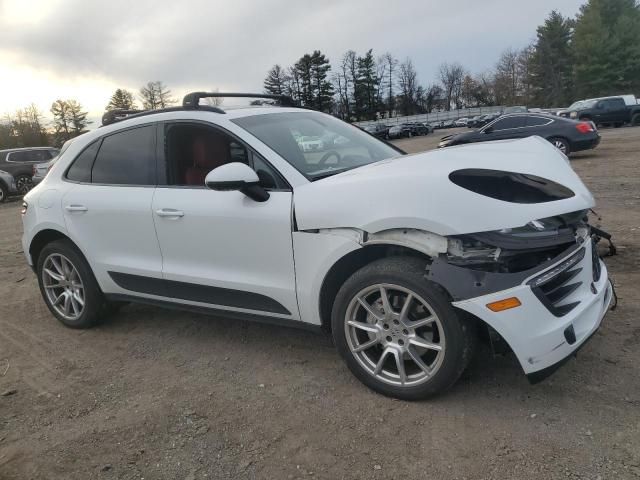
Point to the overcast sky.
(84, 49)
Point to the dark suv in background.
(19, 162)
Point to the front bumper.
(543, 340)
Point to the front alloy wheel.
(398, 332)
(394, 334)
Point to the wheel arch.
(42, 239)
(348, 264)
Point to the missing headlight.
(510, 186)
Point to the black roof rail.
(192, 100)
(113, 116)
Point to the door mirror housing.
(236, 176)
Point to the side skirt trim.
(198, 293)
(251, 317)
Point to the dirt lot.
(162, 394)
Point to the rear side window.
(509, 122)
(80, 170)
(28, 156)
(538, 121)
(127, 158)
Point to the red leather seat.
(208, 152)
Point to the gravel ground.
(162, 394)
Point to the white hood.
(414, 191)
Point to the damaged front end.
(551, 275)
(481, 263)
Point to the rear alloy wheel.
(561, 144)
(68, 286)
(397, 332)
(24, 183)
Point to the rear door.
(108, 210)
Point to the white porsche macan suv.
(405, 259)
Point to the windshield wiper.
(320, 174)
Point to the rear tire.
(24, 183)
(635, 120)
(4, 193)
(408, 350)
(561, 144)
(68, 285)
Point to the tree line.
(26, 127)
(594, 54)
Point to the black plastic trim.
(252, 317)
(198, 293)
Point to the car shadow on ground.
(190, 332)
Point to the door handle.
(76, 208)
(169, 212)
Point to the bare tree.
(408, 83)
(391, 64)
(155, 95)
(451, 76)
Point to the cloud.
(231, 44)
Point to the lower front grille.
(595, 262)
(555, 285)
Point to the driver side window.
(191, 151)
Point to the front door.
(223, 249)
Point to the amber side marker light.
(505, 304)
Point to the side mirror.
(236, 176)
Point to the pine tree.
(322, 87)
(366, 87)
(69, 120)
(552, 62)
(606, 48)
(276, 81)
(121, 100)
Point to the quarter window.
(127, 158)
(80, 170)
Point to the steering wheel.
(328, 155)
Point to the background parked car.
(461, 122)
(608, 110)
(19, 163)
(7, 185)
(40, 170)
(567, 135)
(473, 122)
(429, 127)
(378, 130)
(415, 129)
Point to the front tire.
(68, 285)
(635, 120)
(4, 193)
(398, 333)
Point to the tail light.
(585, 127)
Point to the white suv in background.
(403, 258)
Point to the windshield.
(317, 145)
(575, 105)
(587, 104)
